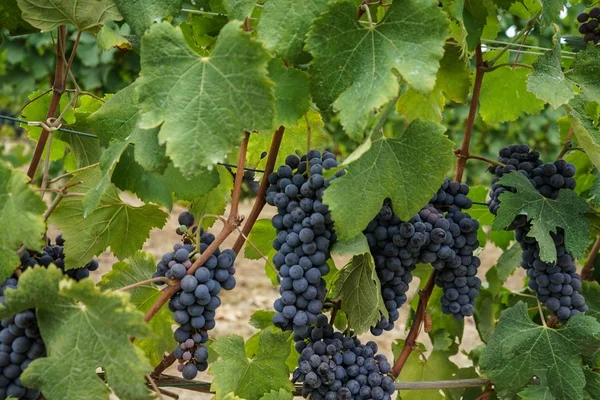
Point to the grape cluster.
(332, 366)
(54, 254)
(304, 233)
(194, 305)
(20, 344)
(557, 284)
(20, 340)
(590, 25)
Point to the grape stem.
(586, 272)
(260, 200)
(166, 362)
(567, 144)
(75, 171)
(154, 387)
(145, 282)
(525, 31)
(541, 314)
(411, 338)
(463, 152)
(514, 65)
(481, 158)
(58, 89)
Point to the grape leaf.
(352, 66)
(213, 202)
(476, 15)
(436, 367)
(118, 119)
(585, 128)
(357, 286)
(351, 247)
(291, 93)
(251, 378)
(239, 9)
(261, 236)
(414, 105)
(504, 96)
(203, 182)
(140, 15)
(86, 16)
(545, 215)
(592, 385)
(294, 140)
(283, 25)
(10, 19)
(591, 292)
(109, 37)
(282, 394)
(114, 223)
(520, 349)
(212, 100)
(140, 267)
(83, 329)
(262, 319)
(547, 80)
(585, 71)
(550, 11)
(408, 170)
(21, 213)
(536, 392)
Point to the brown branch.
(336, 307)
(166, 362)
(464, 149)
(58, 89)
(260, 201)
(586, 272)
(72, 57)
(567, 144)
(239, 177)
(411, 338)
(480, 158)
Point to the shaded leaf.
(140, 15)
(292, 98)
(213, 202)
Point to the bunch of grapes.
(557, 284)
(20, 340)
(304, 233)
(54, 254)
(590, 25)
(194, 305)
(333, 366)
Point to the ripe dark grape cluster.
(332, 366)
(557, 284)
(304, 233)
(590, 25)
(20, 340)
(194, 305)
(54, 254)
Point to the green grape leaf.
(83, 329)
(592, 383)
(476, 15)
(213, 202)
(487, 310)
(504, 96)
(436, 367)
(591, 292)
(10, 19)
(86, 16)
(262, 319)
(212, 100)
(520, 349)
(109, 37)
(292, 98)
(357, 286)
(36, 111)
(352, 66)
(294, 140)
(351, 247)
(547, 80)
(550, 12)
(239, 9)
(261, 235)
(283, 25)
(508, 262)
(203, 182)
(114, 223)
(118, 119)
(140, 15)
(140, 267)
(21, 213)
(536, 392)
(409, 170)
(282, 394)
(414, 105)
(546, 215)
(585, 128)
(251, 378)
(585, 71)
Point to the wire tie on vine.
(51, 124)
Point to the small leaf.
(87, 16)
(116, 224)
(239, 9)
(550, 11)
(591, 292)
(261, 235)
(140, 267)
(351, 247)
(283, 25)
(262, 319)
(359, 289)
(251, 378)
(475, 16)
(292, 98)
(83, 329)
(212, 100)
(536, 392)
(508, 262)
(352, 63)
(585, 71)
(547, 81)
(409, 170)
(109, 37)
(545, 215)
(586, 130)
(520, 349)
(140, 15)
(213, 202)
(282, 394)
